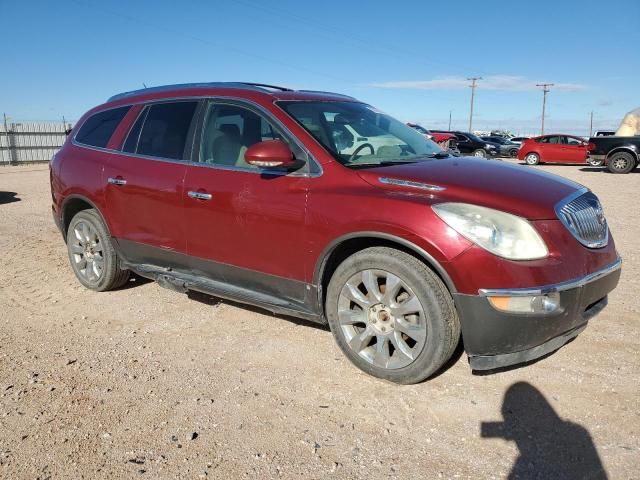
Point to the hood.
(515, 189)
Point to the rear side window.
(162, 130)
(97, 129)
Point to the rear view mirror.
(270, 153)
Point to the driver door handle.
(117, 181)
(200, 195)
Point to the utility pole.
(545, 90)
(450, 119)
(473, 81)
(591, 124)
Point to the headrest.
(230, 129)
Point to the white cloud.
(491, 82)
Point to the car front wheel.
(91, 253)
(391, 315)
(479, 153)
(594, 163)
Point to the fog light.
(546, 303)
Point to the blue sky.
(408, 58)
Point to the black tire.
(110, 275)
(595, 163)
(479, 153)
(440, 316)
(621, 162)
(513, 152)
(532, 158)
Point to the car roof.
(224, 88)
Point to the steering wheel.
(357, 151)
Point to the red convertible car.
(556, 148)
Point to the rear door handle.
(117, 181)
(200, 195)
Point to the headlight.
(489, 147)
(499, 232)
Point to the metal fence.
(27, 142)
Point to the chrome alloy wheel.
(86, 252)
(620, 163)
(531, 159)
(382, 319)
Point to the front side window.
(97, 130)
(356, 134)
(161, 130)
(229, 130)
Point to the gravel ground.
(145, 382)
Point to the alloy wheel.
(620, 163)
(382, 319)
(86, 251)
(531, 159)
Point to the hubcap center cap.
(381, 319)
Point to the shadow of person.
(549, 446)
(8, 197)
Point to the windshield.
(359, 135)
(420, 129)
(475, 138)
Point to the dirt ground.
(145, 382)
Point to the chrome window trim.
(259, 171)
(562, 203)
(556, 287)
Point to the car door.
(144, 185)
(550, 150)
(576, 150)
(464, 144)
(245, 225)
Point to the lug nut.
(383, 329)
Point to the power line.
(545, 90)
(473, 81)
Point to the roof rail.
(328, 93)
(266, 85)
(164, 88)
(258, 87)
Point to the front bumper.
(495, 339)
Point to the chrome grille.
(583, 216)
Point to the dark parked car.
(619, 154)
(506, 147)
(518, 140)
(471, 144)
(248, 193)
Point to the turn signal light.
(546, 303)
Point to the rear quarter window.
(161, 130)
(97, 130)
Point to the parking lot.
(148, 382)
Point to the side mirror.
(270, 153)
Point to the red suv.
(316, 205)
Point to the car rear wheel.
(91, 253)
(391, 315)
(594, 163)
(479, 153)
(621, 162)
(513, 152)
(532, 159)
